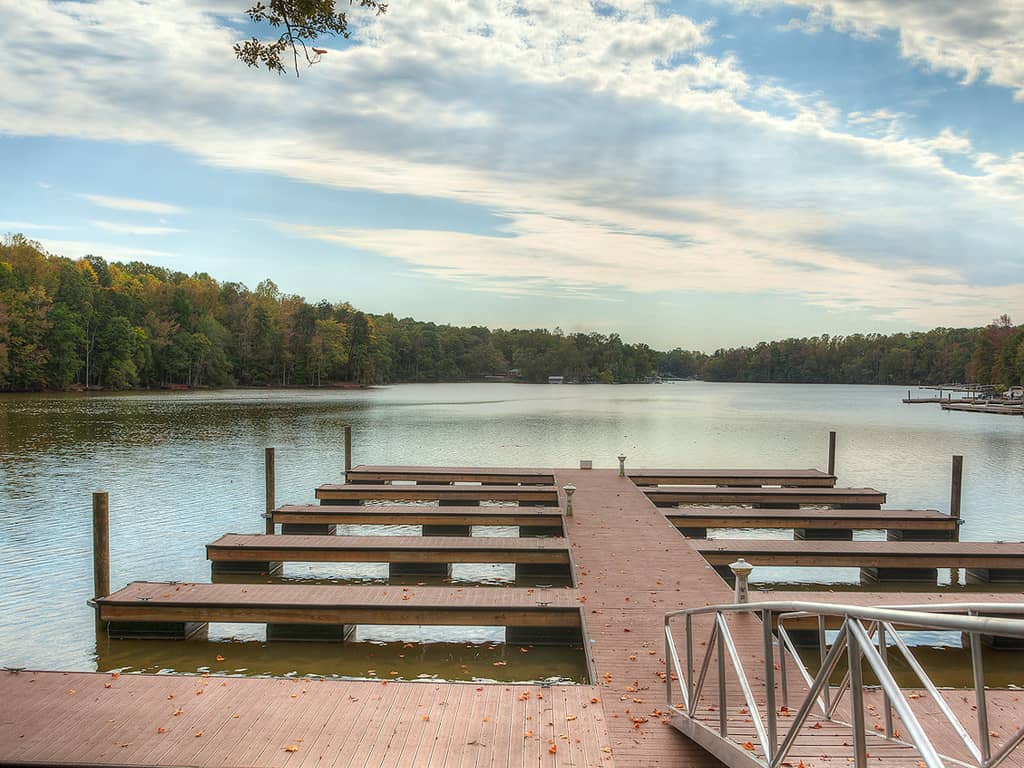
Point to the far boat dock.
(672, 647)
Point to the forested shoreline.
(88, 323)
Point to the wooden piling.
(100, 547)
(348, 450)
(955, 492)
(269, 484)
(832, 452)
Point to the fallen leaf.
(161, 730)
(570, 717)
(553, 748)
(748, 746)
(291, 748)
(220, 658)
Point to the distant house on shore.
(556, 379)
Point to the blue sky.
(695, 174)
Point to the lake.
(183, 468)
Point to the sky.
(695, 174)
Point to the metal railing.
(863, 634)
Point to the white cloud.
(135, 229)
(130, 204)
(618, 149)
(972, 40)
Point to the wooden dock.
(695, 521)
(543, 519)
(878, 560)
(161, 720)
(406, 554)
(317, 611)
(997, 408)
(357, 493)
(790, 497)
(448, 475)
(755, 478)
(629, 566)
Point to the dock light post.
(569, 491)
(741, 569)
(956, 490)
(622, 465)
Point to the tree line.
(91, 323)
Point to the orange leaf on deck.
(219, 657)
(748, 746)
(553, 748)
(425, 718)
(570, 717)
(161, 730)
(291, 748)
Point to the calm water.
(184, 468)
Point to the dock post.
(622, 465)
(269, 475)
(955, 491)
(832, 452)
(569, 491)
(100, 548)
(348, 450)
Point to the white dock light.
(569, 491)
(741, 569)
(622, 465)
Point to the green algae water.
(184, 468)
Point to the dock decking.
(444, 475)
(132, 720)
(142, 607)
(359, 493)
(699, 519)
(380, 514)
(796, 478)
(793, 497)
(417, 553)
(883, 560)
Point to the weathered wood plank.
(381, 514)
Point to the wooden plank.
(342, 605)
(466, 493)
(791, 496)
(632, 567)
(806, 478)
(251, 722)
(380, 514)
(382, 474)
(238, 548)
(804, 517)
(864, 554)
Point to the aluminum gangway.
(766, 708)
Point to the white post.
(569, 491)
(741, 569)
(622, 465)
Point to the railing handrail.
(917, 616)
(862, 637)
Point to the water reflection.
(184, 468)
